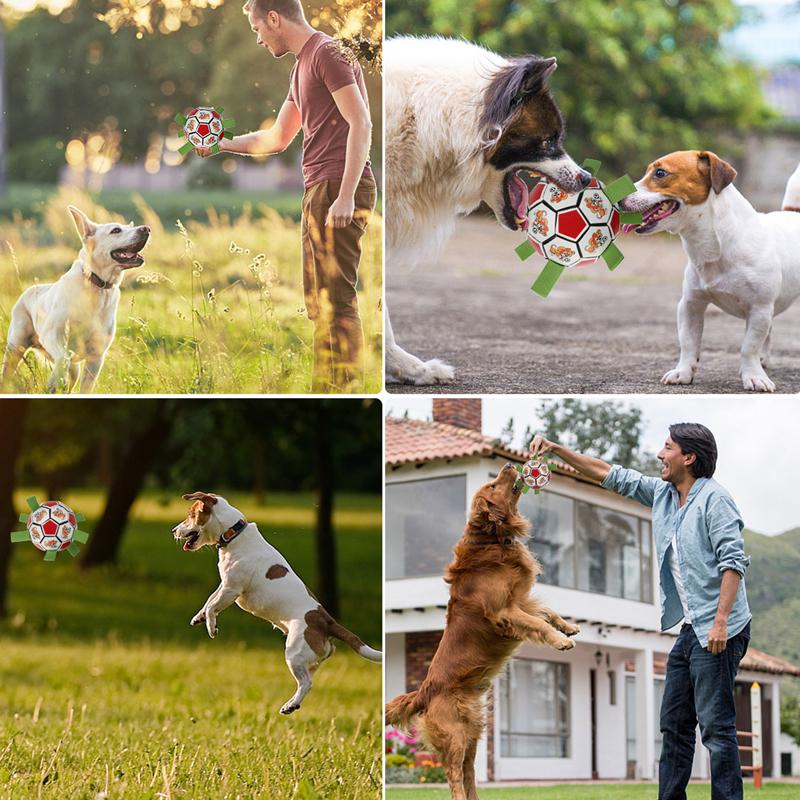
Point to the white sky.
(758, 438)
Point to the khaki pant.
(330, 273)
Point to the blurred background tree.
(635, 78)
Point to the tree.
(12, 423)
(790, 717)
(635, 79)
(608, 429)
(127, 482)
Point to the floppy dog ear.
(720, 173)
(85, 226)
(207, 499)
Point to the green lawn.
(576, 791)
(108, 693)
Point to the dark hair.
(291, 9)
(695, 439)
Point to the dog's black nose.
(584, 178)
(144, 229)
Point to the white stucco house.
(591, 712)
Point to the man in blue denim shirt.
(701, 562)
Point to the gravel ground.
(598, 331)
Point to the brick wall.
(420, 647)
(461, 412)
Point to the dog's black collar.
(99, 282)
(232, 532)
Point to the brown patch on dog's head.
(276, 571)
(520, 117)
(689, 175)
(494, 508)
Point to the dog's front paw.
(562, 643)
(679, 375)
(211, 627)
(757, 382)
(571, 630)
(289, 708)
(435, 372)
(199, 617)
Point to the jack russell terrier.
(259, 580)
(75, 318)
(744, 262)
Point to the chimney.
(461, 412)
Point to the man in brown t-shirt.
(328, 99)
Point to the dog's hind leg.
(20, 338)
(91, 371)
(450, 734)
(759, 324)
(402, 367)
(470, 787)
(302, 662)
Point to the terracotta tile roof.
(759, 661)
(414, 441)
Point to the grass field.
(217, 308)
(108, 693)
(576, 791)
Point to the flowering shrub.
(407, 763)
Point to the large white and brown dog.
(255, 576)
(73, 320)
(460, 122)
(744, 262)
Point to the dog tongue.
(519, 194)
(628, 228)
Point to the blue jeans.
(699, 689)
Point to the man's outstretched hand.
(341, 212)
(539, 446)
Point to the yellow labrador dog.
(255, 576)
(74, 319)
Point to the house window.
(658, 689)
(553, 537)
(534, 709)
(584, 546)
(630, 718)
(424, 520)
(609, 551)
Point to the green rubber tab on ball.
(73, 550)
(228, 123)
(79, 517)
(50, 555)
(81, 536)
(613, 256)
(20, 536)
(525, 250)
(186, 148)
(33, 503)
(24, 518)
(227, 135)
(215, 150)
(630, 217)
(620, 188)
(548, 278)
(218, 109)
(592, 165)
(180, 119)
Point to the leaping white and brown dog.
(258, 579)
(744, 262)
(74, 319)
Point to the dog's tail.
(351, 640)
(402, 710)
(791, 200)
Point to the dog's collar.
(490, 542)
(99, 282)
(229, 535)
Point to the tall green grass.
(217, 307)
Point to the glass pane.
(630, 717)
(534, 710)
(552, 535)
(608, 547)
(658, 688)
(424, 520)
(647, 562)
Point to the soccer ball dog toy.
(204, 127)
(573, 229)
(52, 527)
(534, 474)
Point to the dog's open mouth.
(516, 201)
(653, 216)
(129, 257)
(190, 541)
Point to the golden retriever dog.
(490, 613)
